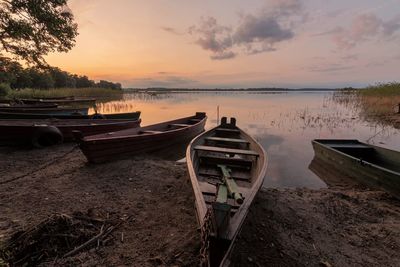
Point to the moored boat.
(370, 165)
(53, 131)
(227, 168)
(132, 142)
(122, 116)
(19, 105)
(47, 111)
(60, 101)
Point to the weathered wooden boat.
(47, 111)
(53, 131)
(371, 165)
(61, 101)
(120, 116)
(19, 105)
(127, 143)
(227, 168)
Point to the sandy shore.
(341, 226)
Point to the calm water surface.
(284, 123)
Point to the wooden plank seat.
(180, 125)
(213, 172)
(227, 140)
(226, 150)
(150, 132)
(232, 162)
(227, 130)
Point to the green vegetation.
(31, 29)
(60, 92)
(382, 89)
(378, 102)
(4, 89)
(12, 73)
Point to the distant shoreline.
(159, 90)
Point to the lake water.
(284, 123)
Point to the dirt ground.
(341, 226)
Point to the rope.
(44, 166)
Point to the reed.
(61, 92)
(380, 99)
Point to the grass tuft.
(61, 92)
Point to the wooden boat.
(121, 116)
(61, 101)
(19, 105)
(227, 168)
(367, 164)
(53, 131)
(47, 111)
(149, 139)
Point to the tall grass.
(61, 92)
(380, 99)
(378, 102)
(382, 90)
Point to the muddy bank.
(331, 227)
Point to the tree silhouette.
(30, 29)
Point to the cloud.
(350, 57)
(260, 34)
(332, 67)
(167, 81)
(213, 37)
(364, 27)
(171, 30)
(254, 33)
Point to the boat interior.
(156, 128)
(227, 163)
(364, 152)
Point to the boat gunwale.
(87, 139)
(366, 163)
(85, 123)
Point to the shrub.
(4, 89)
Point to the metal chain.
(205, 239)
(44, 166)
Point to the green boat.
(117, 116)
(370, 165)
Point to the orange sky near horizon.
(234, 43)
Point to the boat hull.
(47, 111)
(125, 144)
(205, 187)
(370, 165)
(119, 116)
(23, 131)
(66, 101)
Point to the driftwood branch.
(103, 234)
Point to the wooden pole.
(218, 114)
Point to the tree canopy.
(30, 29)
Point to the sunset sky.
(235, 43)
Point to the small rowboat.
(53, 131)
(47, 111)
(227, 168)
(19, 105)
(61, 101)
(120, 116)
(123, 144)
(367, 164)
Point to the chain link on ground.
(205, 239)
(42, 167)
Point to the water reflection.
(284, 123)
